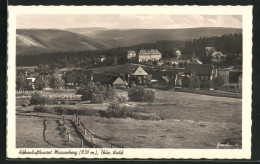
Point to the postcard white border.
(245, 11)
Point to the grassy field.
(188, 121)
(39, 131)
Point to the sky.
(62, 21)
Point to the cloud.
(127, 21)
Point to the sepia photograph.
(101, 81)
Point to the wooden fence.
(92, 139)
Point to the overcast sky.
(127, 21)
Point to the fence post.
(69, 137)
(82, 143)
(85, 131)
(79, 122)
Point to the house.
(131, 54)
(201, 71)
(149, 55)
(105, 79)
(178, 54)
(103, 58)
(210, 51)
(231, 76)
(217, 57)
(77, 78)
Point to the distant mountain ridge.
(49, 40)
(31, 41)
(130, 37)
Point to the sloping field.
(39, 131)
(54, 40)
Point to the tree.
(42, 83)
(57, 82)
(20, 82)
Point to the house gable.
(139, 72)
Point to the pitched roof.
(140, 71)
(117, 80)
(131, 51)
(196, 61)
(150, 52)
(217, 53)
(201, 69)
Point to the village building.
(103, 58)
(178, 54)
(232, 77)
(210, 51)
(131, 54)
(77, 77)
(217, 57)
(201, 71)
(149, 55)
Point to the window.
(70, 83)
(202, 77)
(206, 77)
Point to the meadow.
(188, 120)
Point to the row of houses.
(127, 75)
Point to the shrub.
(218, 81)
(118, 110)
(139, 94)
(41, 108)
(197, 83)
(109, 93)
(38, 99)
(121, 99)
(185, 82)
(97, 94)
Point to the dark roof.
(200, 69)
(124, 68)
(157, 74)
(101, 78)
(78, 76)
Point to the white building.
(131, 54)
(147, 55)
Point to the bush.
(139, 94)
(97, 94)
(38, 99)
(197, 83)
(185, 82)
(118, 110)
(218, 81)
(41, 108)
(206, 84)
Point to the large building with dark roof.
(203, 71)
